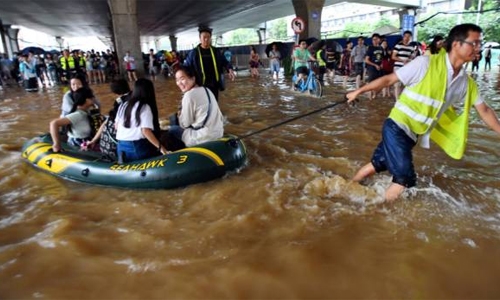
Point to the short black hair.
(375, 35)
(203, 28)
(460, 33)
(408, 32)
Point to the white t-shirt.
(131, 62)
(195, 107)
(134, 133)
(456, 89)
(80, 125)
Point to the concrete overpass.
(155, 18)
(118, 20)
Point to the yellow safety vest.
(81, 62)
(71, 63)
(419, 105)
(320, 60)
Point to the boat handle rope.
(295, 118)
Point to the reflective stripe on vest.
(419, 105)
(320, 60)
(203, 69)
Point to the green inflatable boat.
(201, 163)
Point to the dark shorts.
(394, 154)
(302, 70)
(374, 74)
(359, 69)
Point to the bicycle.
(311, 83)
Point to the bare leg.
(365, 171)
(358, 82)
(393, 192)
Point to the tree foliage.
(489, 20)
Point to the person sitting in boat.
(137, 124)
(199, 119)
(106, 135)
(79, 129)
(78, 81)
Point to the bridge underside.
(71, 18)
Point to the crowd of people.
(426, 84)
(38, 70)
(133, 121)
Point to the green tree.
(277, 30)
(241, 36)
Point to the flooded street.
(288, 225)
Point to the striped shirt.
(403, 52)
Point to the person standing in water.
(209, 64)
(424, 109)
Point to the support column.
(310, 12)
(126, 33)
(157, 45)
(407, 20)
(3, 40)
(173, 42)
(10, 40)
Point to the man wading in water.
(425, 110)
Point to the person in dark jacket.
(209, 64)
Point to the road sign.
(298, 25)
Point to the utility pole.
(478, 12)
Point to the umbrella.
(316, 45)
(386, 30)
(35, 50)
(54, 52)
(334, 46)
(282, 48)
(491, 44)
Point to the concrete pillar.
(10, 40)
(126, 33)
(173, 42)
(157, 45)
(407, 19)
(3, 40)
(310, 12)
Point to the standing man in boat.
(424, 110)
(208, 63)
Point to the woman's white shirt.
(195, 107)
(134, 133)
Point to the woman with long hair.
(137, 124)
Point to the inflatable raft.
(201, 163)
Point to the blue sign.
(408, 23)
(314, 15)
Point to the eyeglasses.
(475, 44)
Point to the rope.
(294, 118)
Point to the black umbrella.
(35, 50)
(282, 48)
(334, 47)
